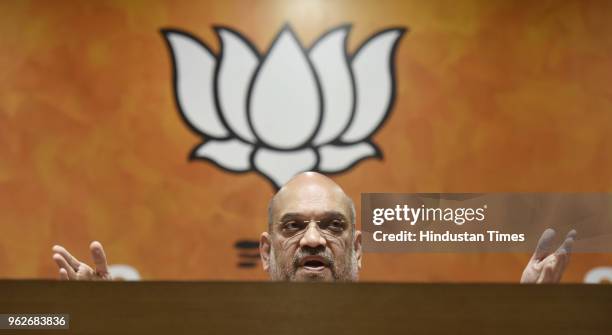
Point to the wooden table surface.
(289, 308)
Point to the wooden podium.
(287, 308)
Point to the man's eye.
(335, 225)
(292, 226)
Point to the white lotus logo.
(289, 110)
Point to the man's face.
(311, 237)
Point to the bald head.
(311, 191)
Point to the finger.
(566, 247)
(562, 256)
(544, 247)
(69, 258)
(547, 274)
(63, 274)
(63, 264)
(99, 257)
(561, 263)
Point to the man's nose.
(312, 237)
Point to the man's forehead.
(310, 196)
(309, 203)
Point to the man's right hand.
(71, 268)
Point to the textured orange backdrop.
(492, 96)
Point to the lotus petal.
(280, 166)
(237, 63)
(284, 101)
(194, 67)
(335, 158)
(330, 61)
(374, 79)
(229, 154)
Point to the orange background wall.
(492, 96)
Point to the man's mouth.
(314, 263)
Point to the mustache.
(319, 251)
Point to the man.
(312, 237)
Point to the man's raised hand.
(546, 266)
(71, 268)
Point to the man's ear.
(357, 247)
(264, 250)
